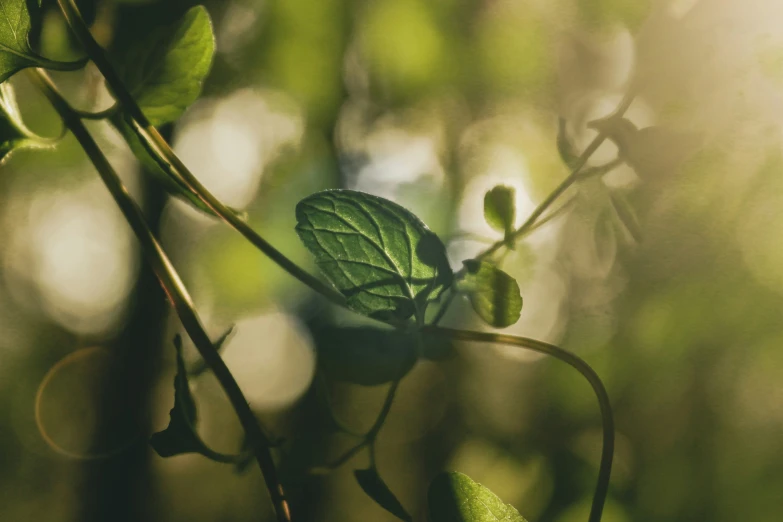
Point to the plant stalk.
(157, 146)
(576, 175)
(175, 289)
(607, 451)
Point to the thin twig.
(575, 176)
(369, 438)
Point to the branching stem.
(170, 162)
(174, 288)
(576, 175)
(173, 166)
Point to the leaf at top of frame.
(15, 25)
(166, 71)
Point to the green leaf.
(567, 151)
(454, 497)
(383, 259)
(494, 294)
(165, 73)
(180, 436)
(372, 484)
(15, 26)
(365, 355)
(15, 51)
(500, 209)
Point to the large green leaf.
(494, 294)
(15, 51)
(365, 355)
(454, 497)
(372, 484)
(500, 208)
(165, 73)
(15, 25)
(385, 261)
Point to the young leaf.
(364, 355)
(385, 261)
(376, 489)
(454, 497)
(180, 435)
(15, 26)
(15, 51)
(494, 294)
(166, 72)
(500, 209)
(567, 151)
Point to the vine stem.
(572, 178)
(368, 439)
(173, 286)
(166, 158)
(607, 451)
(55, 65)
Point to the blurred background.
(665, 274)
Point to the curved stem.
(174, 288)
(385, 409)
(54, 65)
(98, 115)
(170, 162)
(368, 439)
(607, 451)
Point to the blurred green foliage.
(431, 103)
